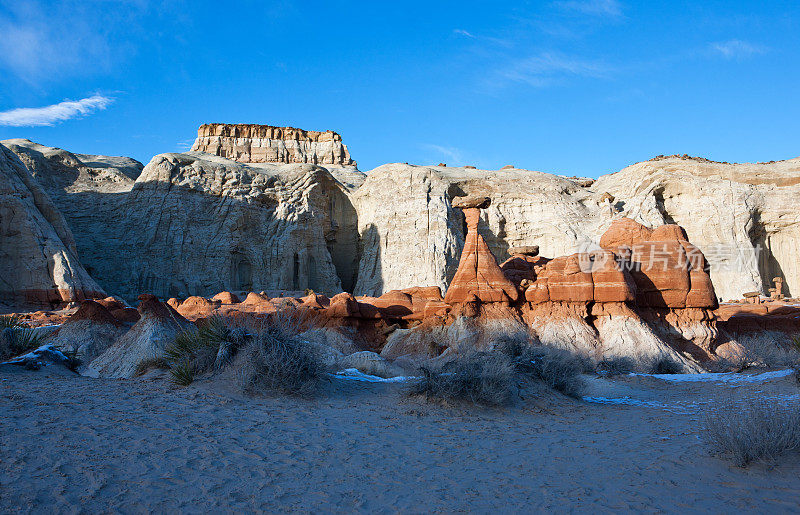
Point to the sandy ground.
(75, 444)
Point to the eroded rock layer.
(248, 143)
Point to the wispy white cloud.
(453, 154)
(52, 114)
(603, 8)
(546, 68)
(489, 39)
(462, 32)
(736, 49)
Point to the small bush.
(616, 366)
(182, 373)
(512, 344)
(559, 369)
(665, 365)
(277, 361)
(481, 378)
(16, 340)
(753, 430)
(195, 350)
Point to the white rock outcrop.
(742, 216)
(38, 259)
(195, 224)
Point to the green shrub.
(195, 350)
(16, 340)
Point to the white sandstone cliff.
(38, 258)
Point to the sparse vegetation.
(753, 429)
(559, 369)
(10, 322)
(617, 365)
(15, 339)
(196, 350)
(489, 378)
(664, 365)
(276, 360)
(480, 378)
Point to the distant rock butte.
(249, 143)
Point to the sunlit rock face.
(248, 143)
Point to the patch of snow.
(720, 377)
(36, 354)
(356, 375)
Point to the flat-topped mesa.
(249, 143)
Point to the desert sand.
(76, 444)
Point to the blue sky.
(581, 87)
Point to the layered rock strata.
(249, 143)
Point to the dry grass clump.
(276, 362)
(480, 378)
(266, 354)
(753, 429)
(15, 339)
(559, 369)
(489, 378)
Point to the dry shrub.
(276, 360)
(768, 349)
(480, 378)
(753, 429)
(617, 365)
(557, 368)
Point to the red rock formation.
(94, 312)
(226, 297)
(197, 306)
(478, 273)
(669, 272)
